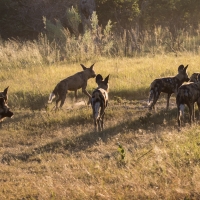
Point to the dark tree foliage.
(123, 13)
(24, 18)
(177, 14)
(146, 14)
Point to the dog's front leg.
(62, 100)
(190, 113)
(193, 113)
(86, 93)
(178, 116)
(102, 124)
(76, 96)
(198, 104)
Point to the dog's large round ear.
(91, 67)
(180, 68)
(84, 68)
(5, 90)
(185, 68)
(98, 78)
(107, 78)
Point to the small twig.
(144, 154)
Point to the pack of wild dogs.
(185, 88)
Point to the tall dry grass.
(30, 85)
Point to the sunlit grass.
(57, 155)
(129, 77)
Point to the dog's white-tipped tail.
(151, 96)
(97, 109)
(51, 97)
(181, 110)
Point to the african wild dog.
(167, 85)
(188, 94)
(72, 83)
(4, 109)
(194, 77)
(100, 101)
(4, 94)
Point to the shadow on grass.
(141, 93)
(28, 100)
(38, 101)
(147, 122)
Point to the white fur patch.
(181, 109)
(51, 97)
(97, 109)
(150, 98)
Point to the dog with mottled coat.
(72, 83)
(188, 94)
(167, 85)
(4, 109)
(194, 77)
(4, 94)
(100, 101)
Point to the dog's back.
(99, 101)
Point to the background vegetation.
(24, 18)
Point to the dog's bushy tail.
(151, 97)
(181, 110)
(153, 91)
(181, 98)
(96, 105)
(51, 97)
(53, 94)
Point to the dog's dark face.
(182, 73)
(90, 71)
(4, 94)
(195, 77)
(5, 111)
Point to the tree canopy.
(24, 18)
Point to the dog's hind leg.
(99, 124)
(190, 112)
(178, 116)
(193, 113)
(102, 122)
(168, 97)
(76, 96)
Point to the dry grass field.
(57, 155)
